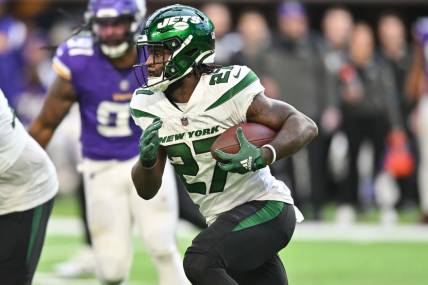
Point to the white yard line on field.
(361, 232)
(305, 231)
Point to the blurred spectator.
(30, 9)
(396, 56)
(37, 76)
(417, 90)
(296, 52)
(337, 25)
(255, 35)
(12, 39)
(368, 108)
(394, 50)
(227, 42)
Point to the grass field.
(308, 262)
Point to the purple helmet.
(111, 8)
(103, 13)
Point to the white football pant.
(113, 207)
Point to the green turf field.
(307, 262)
(310, 262)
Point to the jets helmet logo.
(179, 22)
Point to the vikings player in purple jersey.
(95, 70)
(417, 88)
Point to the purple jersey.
(421, 33)
(12, 39)
(103, 94)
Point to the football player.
(417, 88)
(185, 104)
(28, 183)
(95, 70)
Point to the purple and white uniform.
(421, 33)
(110, 148)
(104, 93)
(12, 40)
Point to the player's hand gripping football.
(248, 158)
(149, 143)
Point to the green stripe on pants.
(37, 215)
(269, 212)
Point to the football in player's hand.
(257, 134)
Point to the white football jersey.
(12, 135)
(219, 101)
(27, 176)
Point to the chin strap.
(158, 84)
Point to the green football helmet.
(188, 35)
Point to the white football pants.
(113, 207)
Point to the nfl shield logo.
(184, 121)
(124, 85)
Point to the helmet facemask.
(157, 60)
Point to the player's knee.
(160, 243)
(161, 248)
(196, 266)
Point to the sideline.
(307, 231)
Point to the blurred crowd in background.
(348, 75)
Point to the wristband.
(272, 149)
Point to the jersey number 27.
(189, 167)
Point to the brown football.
(257, 134)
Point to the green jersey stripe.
(244, 83)
(138, 114)
(269, 212)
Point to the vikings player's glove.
(249, 157)
(149, 143)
